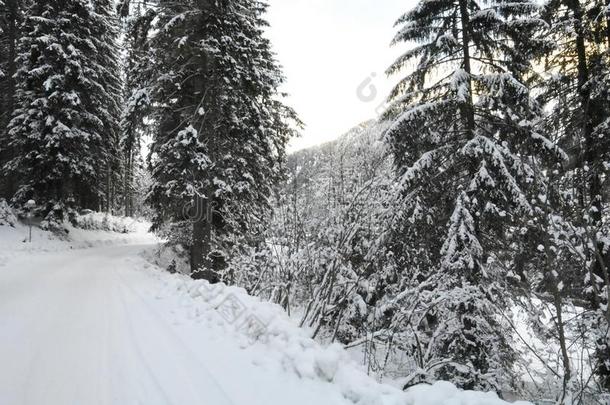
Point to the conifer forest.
(461, 237)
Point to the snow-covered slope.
(277, 344)
(102, 325)
(14, 238)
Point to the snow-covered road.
(88, 327)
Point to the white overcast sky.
(328, 49)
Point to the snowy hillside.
(87, 319)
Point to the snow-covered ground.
(88, 320)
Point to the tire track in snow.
(187, 356)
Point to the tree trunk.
(12, 7)
(201, 247)
(467, 109)
(608, 23)
(108, 185)
(128, 184)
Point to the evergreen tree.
(10, 19)
(220, 133)
(64, 126)
(463, 123)
(137, 23)
(469, 332)
(108, 99)
(578, 95)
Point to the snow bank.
(277, 342)
(98, 221)
(445, 393)
(15, 235)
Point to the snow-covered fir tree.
(64, 129)
(220, 131)
(463, 123)
(137, 23)
(466, 327)
(108, 99)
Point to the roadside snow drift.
(275, 343)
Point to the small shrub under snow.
(7, 217)
(97, 221)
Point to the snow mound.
(7, 218)
(95, 232)
(97, 221)
(276, 341)
(445, 393)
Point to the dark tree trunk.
(608, 23)
(201, 249)
(467, 106)
(127, 183)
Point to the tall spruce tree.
(64, 126)
(137, 24)
(220, 132)
(463, 127)
(108, 100)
